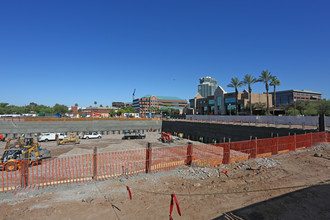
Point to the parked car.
(92, 135)
(129, 136)
(51, 136)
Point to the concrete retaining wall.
(210, 131)
(283, 120)
(20, 127)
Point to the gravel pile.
(198, 172)
(320, 147)
(268, 163)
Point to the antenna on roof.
(134, 94)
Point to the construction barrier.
(101, 166)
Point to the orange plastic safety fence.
(102, 166)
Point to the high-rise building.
(207, 86)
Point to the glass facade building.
(207, 86)
(288, 97)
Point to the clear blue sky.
(71, 52)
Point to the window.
(192, 103)
(219, 101)
(230, 100)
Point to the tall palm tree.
(235, 83)
(249, 80)
(266, 77)
(275, 82)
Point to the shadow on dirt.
(309, 203)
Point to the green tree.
(266, 77)
(259, 108)
(3, 108)
(32, 105)
(235, 83)
(275, 82)
(324, 107)
(120, 112)
(307, 108)
(95, 103)
(101, 105)
(129, 109)
(249, 80)
(76, 104)
(112, 112)
(62, 109)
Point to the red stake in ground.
(177, 205)
(129, 192)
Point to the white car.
(92, 135)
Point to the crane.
(134, 94)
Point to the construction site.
(154, 169)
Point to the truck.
(27, 149)
(47, 136)
(91, 135)
(129, 136)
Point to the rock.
(88, 200)
(253, 168)
(197, 184)
(318, 155)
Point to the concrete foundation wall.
(210, 131)
(12, 127)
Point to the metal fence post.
(148, 158)
(295, 142)
(95, 163)
(256, 148)
(326, 137)
(25, 171)
(189, 154)
(277, 140)
(226, 153)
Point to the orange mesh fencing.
(101, 166)
(265, 147)
(317, 138)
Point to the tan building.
(222, 103)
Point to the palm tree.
(265, 78)
(235, 83)
(95, 103)
(249, 80)
(275, 82)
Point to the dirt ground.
(253, 189)
(107, 143)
